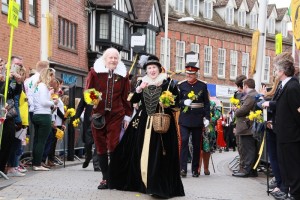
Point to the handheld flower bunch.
(256, 116)
(235, 102)
(92, 96)
(167, 98)
(76, 123)
(59, 134)
(70, 113)
(192, 96)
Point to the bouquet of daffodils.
(92, 96)
(76, 123)
(192, 96)
(167, 98)
(235, 102)
(70, 113)
(256, 116)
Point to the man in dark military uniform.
(193, 116)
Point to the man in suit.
(194, 114)
(248, 144)
(287, 122)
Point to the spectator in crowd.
(109, 76)
(286, 125)
(247, 141)
(238, 95)
(87, 137)
(209, 137)
(42, 118)
(9, 128)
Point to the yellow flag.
(255, 39)
(278, 43)
(295, 16)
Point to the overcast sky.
(280, 3)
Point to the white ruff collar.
(157, 81)
(99, 67)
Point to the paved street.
(73, 182)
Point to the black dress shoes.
(183, 173)
(279, 195)
(195, 174)
(103, 185)
(240, 174)
(97, 169)
(85, 164)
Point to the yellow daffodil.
(167, 98)
(92, 96)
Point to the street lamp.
(183, 19)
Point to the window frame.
(162, 52)
(207, 61)
(32, 18)
(180, 56)
(208, 9)
(233, 64)
(67, 34)
(242, 18)
(253, 21)
(221, 63)
(266, 72)
(194, 6)
(179, 6)
(229, 15)
(284, 28)
(196, 48)
(245, 63)
(150, 41)
(271, 25)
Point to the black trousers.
(196, 140)
(289, 164)
(8, 135)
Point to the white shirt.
(42, 100)
(30, 85)
(60, 106)
(285, 81)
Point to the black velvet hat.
(152, 60)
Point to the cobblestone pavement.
(74, 182)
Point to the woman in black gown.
(144, 160)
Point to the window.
(266, 72)
(207, 60)
(103, 30)
(271, 25)
(242, 18)
(229, 16)
(151, 39)
(126, 41)
(283, 28)
(117, 29)
(245, 63)
(120, 5)
(194, 7)
(253, 21)
(233, 64)
(208, 9)
(179, 5)
(162, 52)
(195, 48)
(5, 6)
(67, 34)
(221, 62)
(32, 12)
(21, 11)
(180, 52)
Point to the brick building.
(26, 41)
(222, 35)
(68, 41)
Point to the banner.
(278, 43)
(255, 39)
(295, 17)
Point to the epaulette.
(181, 82)
(202, 81)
